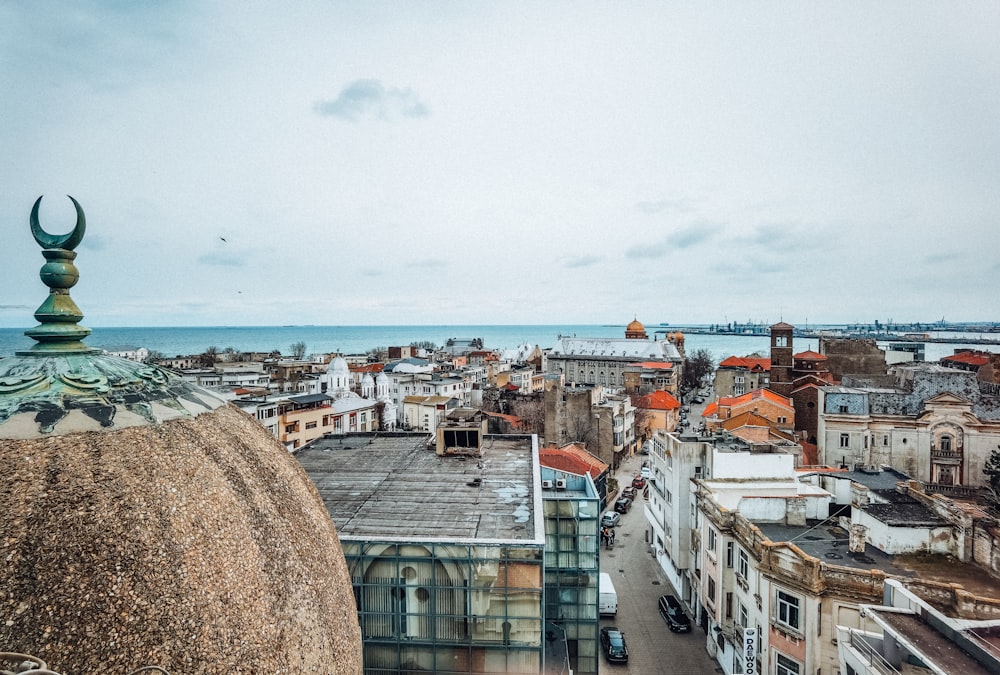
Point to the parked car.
(699, 399)
(629, 492)
(638, 482)
(673, 614)
(613, 644)
(623, 505)
(611, 519)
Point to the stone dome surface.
(144, 522)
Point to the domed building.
(145, 522)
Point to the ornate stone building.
(606, 361)
(936, 424)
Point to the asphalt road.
(653, 649)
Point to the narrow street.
(653, 649)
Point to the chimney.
(856, 543)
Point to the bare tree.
(298, 350)
(209, 356)
(696, 368)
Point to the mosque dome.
(147, 522)
(635, 330)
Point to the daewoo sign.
(749, 651)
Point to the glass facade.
(448, 608)
(572, 564)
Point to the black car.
(623, 505)
(613, 644)
(673, 614)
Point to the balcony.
(955, 455)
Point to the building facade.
(935, 425)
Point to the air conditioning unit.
(560, 483)
(546, 485)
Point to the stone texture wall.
(198, 545)
(852, 357)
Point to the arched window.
(945, 443)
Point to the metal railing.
(25, 664)
(875, 660)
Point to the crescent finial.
(64, 241)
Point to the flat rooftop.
(828, 541)
(393, 486)
(929, 643)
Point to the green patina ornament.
(62, 385)
(58, 315)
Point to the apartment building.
(447, 557)
(737, 375)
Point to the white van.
(607, 603)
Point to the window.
(729, 553)
(788, 610)
(946, 443)
(711, 538)
(743, 567)
(744, 616)
(842, 409)
(845, 440)
(785, 666)
(310, 425)
(711, 589)
(782, 420)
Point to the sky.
(382, 163)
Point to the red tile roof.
(659, 400)
(573, 459)
(970, 358)
(756, 363)
(367, 368)
(653, 365)
(811, 355)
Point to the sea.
(182, 341)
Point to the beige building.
(605, 361)
(936, 424)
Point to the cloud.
(942, 257)
(645, 250)
(680, 239)
(582, 261)
(222, 259)
(370, 98)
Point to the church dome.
(338, 366)
(146, 522)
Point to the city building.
(763, 404)
(604, 361)
(905, 633)
(658, 411)
(444, 543)
(737, 375)
(936, 424)
(572, 507)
